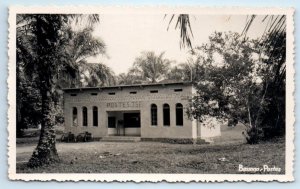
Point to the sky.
(127, 35)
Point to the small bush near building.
(81, 137)
(176, 140)
(84, 137)
(68, 137)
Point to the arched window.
(84, 117)
(153, 114)
(166, 114)
(95, 116)
(74, 116)
(179, 114)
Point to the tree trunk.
(249, 115)
(45, 152)
(46, 35)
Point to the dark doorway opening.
(132, 120)
(111, 122)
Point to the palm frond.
(184, 25)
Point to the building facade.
(150, 111)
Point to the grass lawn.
(155, 157)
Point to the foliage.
(275, 24)
(184, 25)
(79, 45)
(74, 47)
(183, 72)
(129, 78)
(39, 48)
(48, 50)
(232, 82)
(96, 74)
(28, 103)
(150, 68)
(147, 68)
(274, 116)
(273, 43)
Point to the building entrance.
(124, 123)
(132, 120)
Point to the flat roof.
(126, 86)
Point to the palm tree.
(41, 43)
(130, 78)
(97, 74)
(184, 25)
(183, 72)
(273, 43)
(40, 34)
(150, 67)
(79, 46)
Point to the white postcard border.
(290, 88)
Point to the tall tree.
(150, 67)
(273, 44)
(274, 115)
(130, 78)
(183, 72)
(45, 29)
(80, 45)
(40, 48)
(231, 82)
(97, 74)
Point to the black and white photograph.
(151, 94)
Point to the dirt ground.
(156, 157)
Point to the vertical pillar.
(79, 112)
(172, 114)
(90, 116)
(159, 114)
(100, 117)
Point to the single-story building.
(150, 111)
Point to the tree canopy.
(234, 78)
(147, 68)
(48, 52)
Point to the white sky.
(126, 36)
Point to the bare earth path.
(156, 157)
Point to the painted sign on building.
(136, 104)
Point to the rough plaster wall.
(137, 102)
(210, 127)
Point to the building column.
(79, 114)
(172, 114)
(90, 116)
(160, 122)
